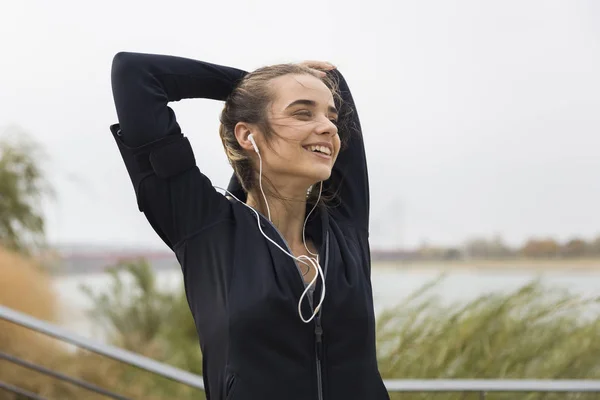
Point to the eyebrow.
(310, 103)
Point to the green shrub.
(137, 316)
(536, 332)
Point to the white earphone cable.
(309, 262)
(260, 185)
(299, 259)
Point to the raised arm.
(350, 177)
(143, 84)
(176, 198)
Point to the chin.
(320, 174)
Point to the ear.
(242, 130)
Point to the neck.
(287, 208)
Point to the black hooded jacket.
(242, 290)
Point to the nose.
(327, 127)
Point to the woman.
(254, 261)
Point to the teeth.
(320, 149)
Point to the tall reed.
(535, 332)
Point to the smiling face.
(305, 143)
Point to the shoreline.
(559, 264)
(480, 265)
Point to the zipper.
(319, 355)
(319, 330)
(318, 327)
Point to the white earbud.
(251, 139)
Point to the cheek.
(284, 150)
(288, 138)
(337, 145)
(292, 130)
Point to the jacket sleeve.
(177, 199)
(349, 177)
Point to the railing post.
(482, 395)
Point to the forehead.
(289, 88)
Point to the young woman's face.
(306, 141)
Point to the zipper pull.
(319, 340)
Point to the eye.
(303, 114)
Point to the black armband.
(165, 158)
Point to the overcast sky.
(479, 117)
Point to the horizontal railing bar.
(21, 392)
(492, 385)
(115, 353)
(43, 370)
(402, 385)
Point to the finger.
(319, 73)
(322, 65)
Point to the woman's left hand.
(318, 66)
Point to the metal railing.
(485, 386)
(57, 375)
(113, 352)
(481, 386)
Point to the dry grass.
(25, 287)
(535, 332)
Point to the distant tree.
(484, 248)
(476, 248)
(23, 185)
(541, 248)
(452, 254)
(594, 247)
(429, 252)
(575, 248)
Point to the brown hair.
(248, 103)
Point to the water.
(391, 285)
